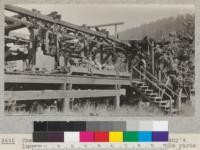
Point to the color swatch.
(101, 136)
(130, 136)
(86, 136)
(116, 136)
(101, 131)
(71, 137)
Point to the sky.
(131, 15)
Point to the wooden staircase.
(155, 94)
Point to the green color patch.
(130, 136)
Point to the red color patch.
(101, 137)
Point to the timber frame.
(39, 24)
(41, 27)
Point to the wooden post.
(63, 87)
(153, 65)
(116, 31)
(117, 103)
(101, 54)
(33, 48)
(159, 78)
(47, 42)
(67, 100)
(66, 104)
(179, 100)
(24, 64)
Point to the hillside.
(157, 29)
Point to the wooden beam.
(98, 81)
(57, 94)
(60, 79)
(14, 20)
(14, 26)
(26, 78)
(12, 39)
(39, 16)
(107, 24)
(19, 56)
(19, 21)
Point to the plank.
(15, 20)
(26, 12)
(60, 79)
(98, 81)
(56, 94)
(13, 39)
(14, 26)
(107, 24)
(77, 69)
(21, 78)
(104, 72)
(17, 23)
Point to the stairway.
(149, 94)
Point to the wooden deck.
(63, 93)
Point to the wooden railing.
(155, 85)
(161, 83)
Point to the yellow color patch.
(115, 136)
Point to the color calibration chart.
(101, 132)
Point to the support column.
(67, 102)
(179, 101)
(117, 102)
(116, 31)
(33, 48)
(153, 64)
(66, 105)
(117, 99)
(101, 54)
(159, 78)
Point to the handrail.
(162, 83)
(155, 85)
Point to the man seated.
(91, 62)
(97, 64)
(108, 66)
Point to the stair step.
(166, 106)
(140, 83)
(174, 110)
(148, 91)
(165, 101)
(162, 102)
(137, 82)
(143, 87)
(157, 98)
(152, 94)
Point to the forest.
(159, 29)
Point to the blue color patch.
(144, 136)
(160, 136)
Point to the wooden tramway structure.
(56, 38)
(106, 46)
